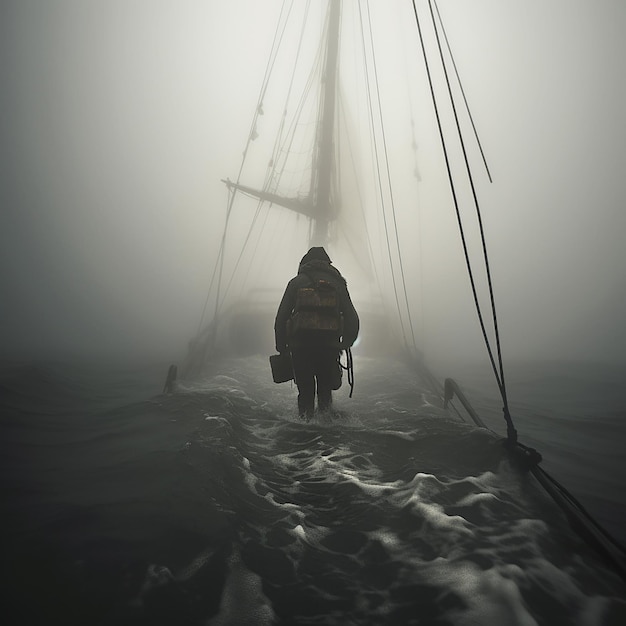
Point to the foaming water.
(217, 505)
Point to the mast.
(319, 204)
(323, 168)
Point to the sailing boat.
(326, 208)
(311, 194)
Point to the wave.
(217, 505)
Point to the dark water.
(215, 505)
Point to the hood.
(315, 254)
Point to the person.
(315, 321)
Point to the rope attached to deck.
(499, 368)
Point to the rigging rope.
(379, 177)
(458, 79)
(498, 371)
(388, 176)
(208, 294)
(219, 304)
(278, 36)
(583, 523)
(285, 147)
(581, 520)
(282, 145)
(528, 459)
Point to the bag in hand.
(282, 368)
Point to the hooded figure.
(314, 334)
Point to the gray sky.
(119, 119)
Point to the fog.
(119, 119)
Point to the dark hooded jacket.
(316, 265)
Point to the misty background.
(119, 119)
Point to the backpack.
(316, 315)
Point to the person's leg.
(325, 366)
(305, 379)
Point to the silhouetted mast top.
(319, 204)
